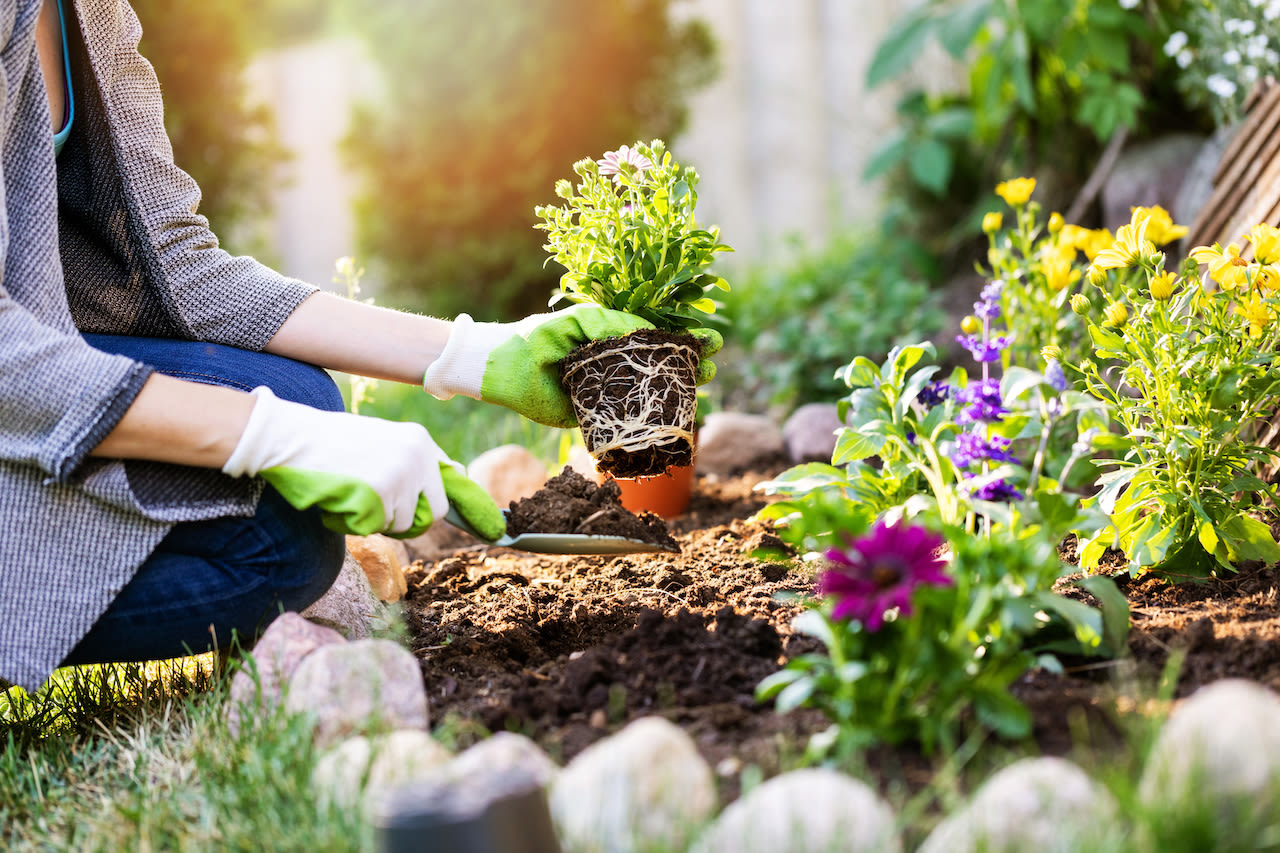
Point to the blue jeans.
(208, 580)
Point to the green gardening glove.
(366, 475)
(516, 365)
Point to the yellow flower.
(992, 222)
(1130, 246)
(1056, 223)
(1059, 272)
(1115, 314)
(1051, 352)
(1268, 278)
(1226, 267)
(971, 325)
(1162, 286)
(1266, 243)
(1080, 303)
(1096, 275)
(1088, 240)
(1258, 313)
(1016, 192)
(1160, 228)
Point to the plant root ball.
(636, 399)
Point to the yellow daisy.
(1130, 246)
(1016, 192)
(1059, 271)
(1266, 243)
(1226, 267)
(1160, 228)
(1258, 313)
(992, 222)
(1162, 286)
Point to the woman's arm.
(353, 337)
(181, 422)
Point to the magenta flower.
(879, 571)
(613, 160)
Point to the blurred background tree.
(487, 103)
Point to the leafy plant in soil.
(629, 241)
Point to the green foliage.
(1049, 83)
(800, 320)
(486, 103)
(631, 241)
(925, 676)
(226, 143)
(1186, 374)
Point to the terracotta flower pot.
(666, 494)
(636, 400)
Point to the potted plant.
(628, 240)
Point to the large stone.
(358, 687)
(1219, 750)
(501, 753)
(360, 771)
(259, 682)
(508, 473)
(803, 811)
(810, 432)
(1041, 804)
(644, 788)
(349, 606)
(381, 559)
(729, 441)
(1197, 185)
(1147, 174)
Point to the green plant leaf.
(795, 694)
(1115, 613)
(900, 47)
(1250, 539)
(815, 624)
(1003, 714)
(853, 445)
(888, 155)
(957, 30)
(951, 123)
(930, 162)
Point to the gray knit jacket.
(106, 239)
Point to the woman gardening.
(175, 466)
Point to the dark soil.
(644, 379)
(568, 649)
(570, 503)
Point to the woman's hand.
(516, 365)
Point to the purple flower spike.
(983, 351)
(983, 403)
(878, 572)
(934, 394)
(1056, 377)
(987, 310)
(997, 491)
(992, 292)
(971, 447)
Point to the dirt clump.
(570, 503)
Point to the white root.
(634, 379)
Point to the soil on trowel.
(569, 649)
(570, 503)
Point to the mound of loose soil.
(570, 503)
(568, 649)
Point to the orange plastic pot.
(666, 494)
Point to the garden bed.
(568, 649)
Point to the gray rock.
(1148, 174)
(501, 753)
(1042, 804)
(259, 683)
(383, 560)
(801, 811)
(358, 687)
(729, 440)
(810, 432)
(360, 771)
(1197, 184)
(349, 606)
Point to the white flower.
(1185, 58)
(1248, 74)
(1272, 57)
(1176, 42)
(1246, 27)
(1272, 11)
(1220, 86)
(1256, 47)
(1129, 4)
(1231, 57)
(1257, 4)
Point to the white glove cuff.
(244, 460)
(460, 368)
